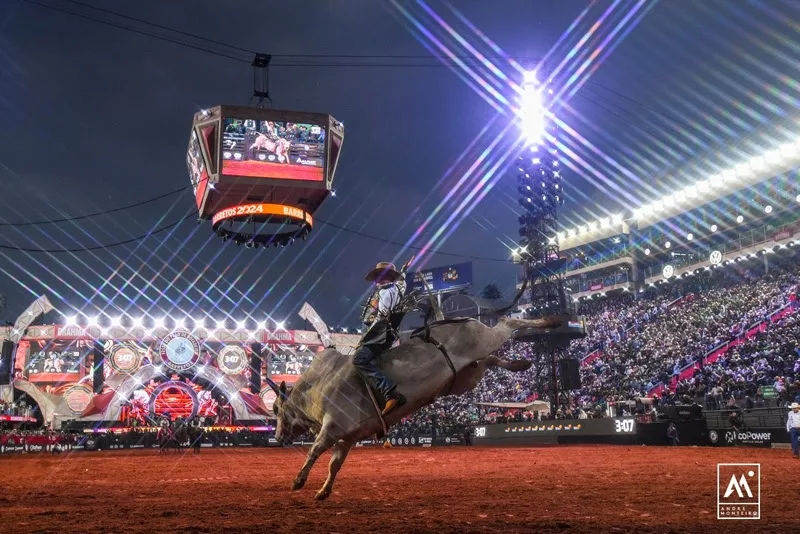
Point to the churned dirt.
(576, 489)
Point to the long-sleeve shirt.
(793, 421)
(389, 298)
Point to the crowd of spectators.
(762, 370)
(646, 341)
(17, 409)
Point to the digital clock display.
(623, 426)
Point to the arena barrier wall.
(620, 430)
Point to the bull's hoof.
(298, 484)
(322, 494)
(517, 366)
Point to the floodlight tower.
(541, 194)
(541, 191)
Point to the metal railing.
(774, 417)
(751, 238)
(578, 285)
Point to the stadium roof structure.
(708, 189)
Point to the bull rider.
(383, 314)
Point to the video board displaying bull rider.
(56, 360)
(272, 149)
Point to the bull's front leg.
(340, 451)
(321, 444)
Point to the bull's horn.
(274, 387)
(501, 311)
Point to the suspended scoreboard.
(260, 174)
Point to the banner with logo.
(441, 279)
(760, 437)
(279, 337)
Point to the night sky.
(95, 117)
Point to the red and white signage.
(72, 332)
(279, 337)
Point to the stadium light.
(220, 325)
(690, 237)
(647, 252)
(180, 324)
(756, 164)
(532, 112)
(280, 325)
(94, 321)
(116, 321)
(71, 320)
(262, 325)
(200, 322)
(667, 244)
(616, 218)
(767, 209)
(797, 198)
(740, 219)
(713, 227)
(158, 322)
(241, 325)
(137, 322)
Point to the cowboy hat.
(794, 405)
(383, 272)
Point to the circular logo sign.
(715, 258)
(180, 351)
(124, 359)
(268, 398)
(77, 398)
(713, 436)
(232, 360)
(668, 271)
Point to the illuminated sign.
(273, 149)
(624, 426)
(180, 351)
(279, 337)
(715, 258)
(232, 360)
(77, 398)
(124, 359)
(263, 210)
(668, 271)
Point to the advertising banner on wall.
(440, 279)
(753, 437)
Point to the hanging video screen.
(272, 149)
(56, 361)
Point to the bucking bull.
(280, 147)
(331, 400)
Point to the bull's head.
(289, 425)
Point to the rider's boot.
(393, 400)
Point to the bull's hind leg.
(340, 451)
(322, 444)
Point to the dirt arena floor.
(578, 489)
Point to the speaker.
(6, 362)
(569, 373)
(98, 368)
(255, 368)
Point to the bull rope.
(386, 443)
